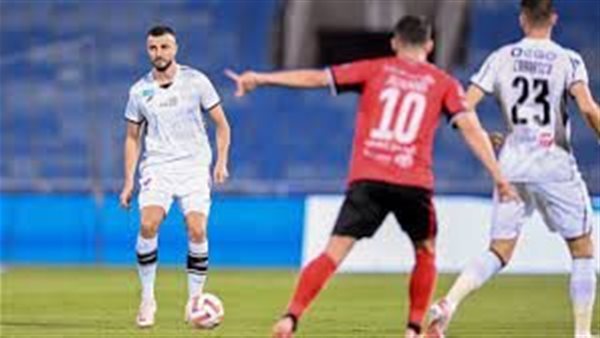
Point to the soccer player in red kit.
(402, 99)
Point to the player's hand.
(497, 140)
(245, 82)
(126, 194)
(507, 192)
(220, 173)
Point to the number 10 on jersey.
(401, 116)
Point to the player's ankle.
(414, 327)
(293, 318)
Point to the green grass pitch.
(102, 302)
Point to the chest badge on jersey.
(148, 94)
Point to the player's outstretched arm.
(587, 105)
(131, 154)
(223, 137)
(303, 78)
(479, 142)
(473, 96)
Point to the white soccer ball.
(206, 311)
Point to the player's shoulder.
(371, 62)
(572, 54)
(142, 85)
(504, 51)
(439, 74)
(191, 73)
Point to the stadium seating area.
(65, 85)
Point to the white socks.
(474, 276)
(583, 294)
(197, 267)
(147, 259)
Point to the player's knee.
(197, 233)
(425, 255)
(581, 247)
(504, 250)
(149, 226)
(338, 247)
(425, 247)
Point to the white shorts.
(159, 186)
(565, 208)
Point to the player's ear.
(523, 22)
(553, 19)
(429, 45)
(394, 44)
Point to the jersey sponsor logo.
(532, 53)
(170, 102)
(402, 156)
(546, 139)
(405, 157)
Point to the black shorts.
(367, 203)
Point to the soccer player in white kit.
(532, 80)
(165, 110)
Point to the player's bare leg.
(147, 258)
(583, 284)
(197, 258)
(472, 277)
(422, 284)
(312, 279)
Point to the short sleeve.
(454, 100)
(351, 76)
(132, 111)
(577, 71)
(209, 98)
(485, 78)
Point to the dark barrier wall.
(265, 232)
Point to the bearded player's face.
(161, 50)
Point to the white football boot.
(145, 316)
(440, 314)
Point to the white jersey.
(175, 132)
(531, 81)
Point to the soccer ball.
(206, 311)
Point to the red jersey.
(400, 105)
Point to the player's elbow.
(591, 112)
(473, 132)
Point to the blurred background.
(65, 71)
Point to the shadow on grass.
(54, 325)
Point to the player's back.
(531, 79)
(399, 109)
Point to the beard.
(161, 66)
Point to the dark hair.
(413, 30)
(538, 12)
(160, 30)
